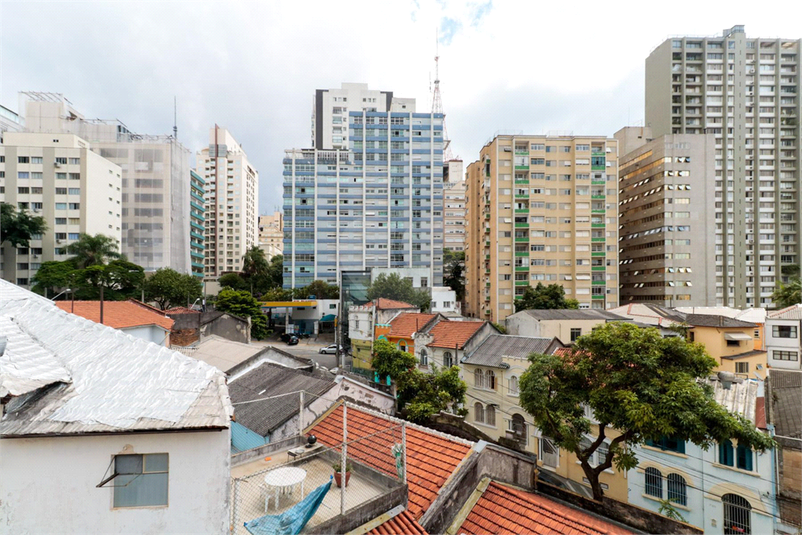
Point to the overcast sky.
(506, 65)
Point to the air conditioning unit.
(58, 241)
(36, 256)
(56, 164)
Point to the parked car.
(329, 349)
(293, 341)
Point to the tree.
(275, 272)
(169, 288)
(242, 303)
(392, 286)
(233, 281)
(388, 361)
(320, 289)
(639, 386)
(119, 280)
(54, 276)
(93, 250)
(277, 294)
(544, 297)
(256, 270)
(788, 294)
(454, 271)
(17, 228)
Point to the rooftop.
(503, 510)
(390, 304)
(117, 314)
(570, 314)
(69, 375)
(230, 356)
(454, 334)
(650, 314)
(793, 312)
(407, 324)
(401, 522)
(744, 355)
(706, 320)
(738, 397)
(496, 346)
(786, 409)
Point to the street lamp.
(58, 294)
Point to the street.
(307, 348)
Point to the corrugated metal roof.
(496, 346)
(569, 314)
(739, 398)
(116, 382)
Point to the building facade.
(744, 91)
(378, 204)
(155, 186)
(10, 122)
(454, 189)
(271, 234)
(232, 193)
(542, 209)
(783, 331)
(667, 229)
(60, 178)
(197, 240)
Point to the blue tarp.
(293, 520)
(328, 318)
(243, 438)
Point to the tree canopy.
(454, 271)
(169, 288)
(639, 387)
(91, 250)
(242, 303)
(320, 289)
(392, 286)
(17, 228)
(119, 280)
(544, 297)
(788, 294)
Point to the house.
(103, 432)
(132, 317)
(567, 325)
(444, 300)
(749, 315)
(194, 326)
(362, 321)
(447, 341)
(401, 330)
(783, 329)
(727, 488)
(235, 358)
(652, 315)
(784, 412)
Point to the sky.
(506, 66)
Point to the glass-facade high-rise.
(377, 204)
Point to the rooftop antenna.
(437, 100)
(175, 117)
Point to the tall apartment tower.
(197, 223)
(744, 91)
(667, 245)
(10, 122)
(377, 204)
(454, 189)
(232, 193)
(542, 209)
(331, 106)
(271, 234)
(58, 177)
(155, 179)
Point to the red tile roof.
(181, 310)
(502, 510)
(563, 351)
(451, 333)
(431, 456)
(411, 322)
(117, 314)
(402, 524)
(386, 304)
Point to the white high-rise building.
(454, 214)
(232, 196)
(58, 177)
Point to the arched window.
(677, 489)
(737, 515)
(654, 483)
(424, 358)
(478, 378)
(490, 415)
(402, 345)
(518, 425)
(478, 413)
(512, 386)
(448, 360)
(490, 380)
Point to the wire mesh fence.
(319, 483)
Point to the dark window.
(783, 331)
(677, 489)
(575, 333)
(668, 443)
(740, 457)
(737, 515)
(654, 483)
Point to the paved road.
(307, 349)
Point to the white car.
(329, 349)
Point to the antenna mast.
(437, 100)
(175, 118)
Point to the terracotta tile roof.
(406, 324)
(502, 510)
(117, 314)
(563, 351)
(401, 524)
(431, 456)
(387, 304)
(451, 333)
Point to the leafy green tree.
(233, 281)
(277, 294)
(389, 361)
(392, 286)
(169, 288)
(544, 298)
(320, 289)
(275, 272)
(788, 294)
(54, 277)
(454, 271)
(17, 228)
(639, 386)
(116, 281)
(93, 250)
(242, 303)
(256, 270)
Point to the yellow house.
(730, 341)
(491, 372)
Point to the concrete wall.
(226, 326)
(151, 333)
(526, 325)
(783, 344)
(48, 484)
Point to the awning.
(737, 336)
(327, 318)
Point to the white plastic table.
(282, 478)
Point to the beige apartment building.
(271, 234)
(667, 239)
(454, 188)
(744, 91)
(542, 209)
(232, 193)
(58, 177)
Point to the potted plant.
(338, 473)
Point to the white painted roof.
(69, 375)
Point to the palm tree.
(788, 294)
(93, 250)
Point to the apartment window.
(512, 386)
(741, 367)
(448, 360)
(653, 482)
(23, 159)
(575, 333)
(783, 331)
(140, 480)
(785, 355)
(737, 515)
(740, 457)
(677, 489)
(668, 444)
